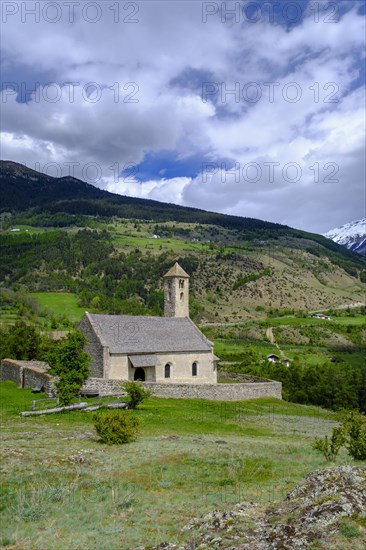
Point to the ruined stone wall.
(9, 370)
(27, 374)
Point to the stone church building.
(169, 349)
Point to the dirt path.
(271, 338)
(344, 306)
(270, 335)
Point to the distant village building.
(322, 316)
(168, 349)
(273, 358)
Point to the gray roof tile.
(143, 360)
(139, 334)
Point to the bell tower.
(176, 292)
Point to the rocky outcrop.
(309, 517)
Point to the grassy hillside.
(59, 302)
(63, 489)
(117, 266)
(40, 197)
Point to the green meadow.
(62, 488)
(60, 303)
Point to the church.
(169, 349)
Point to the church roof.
(138, 334)
(176, 271)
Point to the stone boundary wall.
(104, 386)
(27, 374)
(214, 392)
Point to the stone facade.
(165, 343)
(176, 292)
(98, 352)
(27, 374)
(213, 392)
(180, 368)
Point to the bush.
(116, 427)
(330, 447)
(351, 435)
(354, 425)
(136, 393)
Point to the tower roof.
(176, 271)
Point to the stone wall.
(93, 347)
(104, 386)
(9, 370)
(27, 374)
(214, 392)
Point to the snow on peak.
(352, 229)
(352, 235)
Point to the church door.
(139, 374)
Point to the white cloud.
(169, 40)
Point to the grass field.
(62, 489)
(60, 303)
(310, 321)
(234, 350)
(27, 229)
(357, 320)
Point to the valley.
(254, 289)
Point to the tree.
(350, 434)
(21, 341)
(70, 363)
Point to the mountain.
(62, 234)
(45, 199)
(22, 188)
(351, 235)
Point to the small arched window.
(181, 295)
(181, 283)
(194, 369)
(167, 371)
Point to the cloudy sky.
(254, 108)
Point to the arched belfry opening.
(176, 292)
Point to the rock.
(310, 512)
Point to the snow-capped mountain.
(351, 235)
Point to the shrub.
(136, 393)
(354, 425)
(116, 427)
(330, 447)
(351, 434)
